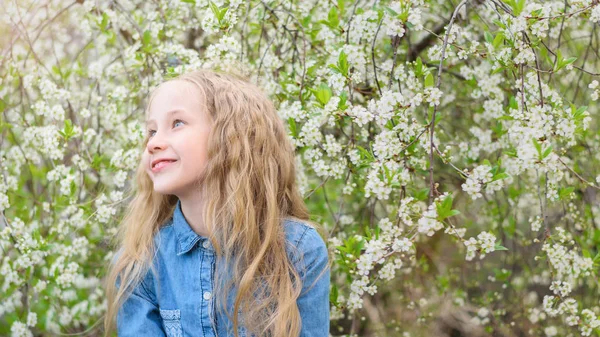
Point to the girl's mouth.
(162, 165)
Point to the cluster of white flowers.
(536, 223)
(394, 27)
(310, 134)
(480, 176)
(586, 320)
(360, 115)
(377, 251)
(595, 89)
(595, 16)
(517, 24)
(539, 27)
(387, 145)
(329, 111)
(7, 183)
(358, 287)
(385, 107)
(561, 288)
(524, 57)
(482, 317)
(433, 95)
(104, 212)
(484, 244)
(428, 223)
(356, 58)
(551, 331)
(380, 184)
(567, 264)
(331, 146)
(210, 23)
(20, 329)
(376, 185)
(227, 49)
(292, 110)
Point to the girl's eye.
(174, 122)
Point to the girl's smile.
(162, 165)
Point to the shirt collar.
(186, 237)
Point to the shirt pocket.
(172, 322)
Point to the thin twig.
(439, 77)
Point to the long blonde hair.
(250, 177)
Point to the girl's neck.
(192, 212)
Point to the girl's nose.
(157, 142)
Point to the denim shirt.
(184, 304)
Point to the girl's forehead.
(176, 85)
(174, 92)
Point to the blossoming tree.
(448, 147)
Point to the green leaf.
(368, 233)
(563, 193)
(391, 11)
(538, 146)
(222, 13)
(422, 194)
(335, 68)
(146, 40)
(511, 152)
(497, 70)
(292, 124)
(429, 80)
(498, 40)
(489, 38)
(501, 275)
(499, 23)
(500, 247)
(536, 12)
(189, 1)
(215, 10)
(333, 296)
(447, 203)
(578, 114)
(586, 253)
(570, 60)
(323, 94)
(444, 209)
(517, 6)
(513, 103)
(547, 152)
(343, 65)
(104, 22)
(333, 18)
(365, 154)
(419, 67)
(453, 212)
(500, 176)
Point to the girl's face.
(177, 129)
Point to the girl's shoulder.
(296, 229)
(302, 238)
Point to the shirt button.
(206, 244)
(207, 295)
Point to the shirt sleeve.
(313, 302)
(139, 315)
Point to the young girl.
(216, 240)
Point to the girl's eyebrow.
(169, 114)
